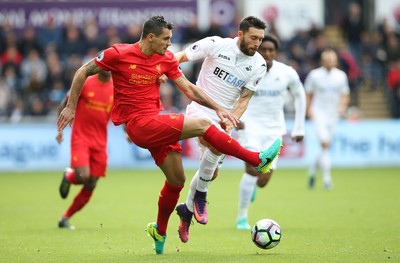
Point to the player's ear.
(240, 34)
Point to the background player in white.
(264, 119)
(229, 75)
(327, 92)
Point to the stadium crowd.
(37, 64)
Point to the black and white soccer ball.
(266, 233)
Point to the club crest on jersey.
(132, 66)
(158, 68)
(100, 57)
(249, 68)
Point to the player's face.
(250, 40)
(268, 51)
(160, 44)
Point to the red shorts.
(159, 134)
(96, 159)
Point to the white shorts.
(256, 142)
(195, 110)
(324, 128)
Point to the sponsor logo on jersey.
(228, 77)
(224, 57)
(100, 57)
(267, 93)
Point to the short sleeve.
(202, 48)
(105, 60)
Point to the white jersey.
(265, 113)
(327, 88)
(225, 71)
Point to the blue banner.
(356, 144)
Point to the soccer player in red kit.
(88, 142)
(135, 69)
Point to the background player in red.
(88, 142)
(135, 69)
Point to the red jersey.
(93, 113)
(136, 91)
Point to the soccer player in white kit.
(264, 120)
(327, 92)
(229, 75)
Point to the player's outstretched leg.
(159, 240)
(185, 220)
(267, 156)
(65, 184)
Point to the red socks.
(81, 199)
(167, 201)
(227, 145)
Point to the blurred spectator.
(50, 34)
(133, 35)
(12, 79)
(393, 82)
(352, 29)
(5, 94)
(372, 60)
(28, 41)
(72, 44)
(11, 56)
(56, 95)
(33, 67)
(17, 111)
(191, 33)
(36, 106)
(167, 98)
(349, 65)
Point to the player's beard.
(245, 49)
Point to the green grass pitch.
(358, 221)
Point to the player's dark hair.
(155, 25)
(251, 21)
(272, 39)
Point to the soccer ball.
(266, 233)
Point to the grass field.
(358, 221)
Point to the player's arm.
(300, 105)
(60, 107)
(196, 94)
(67, 114)
(181, 56)
(241, 105)
(309, 97)
(344, 102)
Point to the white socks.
(202, 178)
(208, 164)
(246, 189)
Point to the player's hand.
(66, 117)
(59, 137)
(162, 79)
(227, 117)
(227, 126)
(298, 138)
